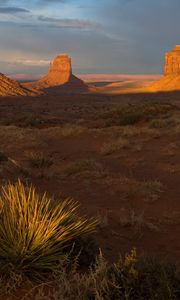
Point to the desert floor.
(123, 170)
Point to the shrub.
(134, 113)
(111, 147)
(34, 232)
(84, 165)
(131, 278)
(39, 161)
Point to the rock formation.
(9, 87)
(172, 62)
(60, 71)
(171, 79)
(59, 78)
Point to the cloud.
(28, 62)
(69, 23)
(13, 10)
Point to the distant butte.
(59, 78)
(171, 78)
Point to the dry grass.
(138, 221)
(132, 131)
(171, 149)
(67, 130)
(148, 191)
(114, 146)
(135, 113)
(160, 123)
(39, 160)
(170, 168)
(131, 278)
(81, 166)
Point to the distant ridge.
(10, 87)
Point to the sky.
(101, 36)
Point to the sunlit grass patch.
(113, 146)
(72, 130)
(66, 130)
(132, 131)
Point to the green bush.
(34, 231)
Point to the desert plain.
(109, 142)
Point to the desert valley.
(113, 146)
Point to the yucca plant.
(34, 232)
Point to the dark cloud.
(68, 23)
(13, 10)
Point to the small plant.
(137, 221)
(87, 165)
(34, 232)
(114, 146)
(39, 161)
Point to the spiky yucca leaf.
(34, 231)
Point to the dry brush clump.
(66, 130)
(129, 187)
(114, 146)
(134, 113)
(39, 160)
(83, 165)
(35, 232)
(131, 278)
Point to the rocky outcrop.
(9, 87)
(172, 62)
(60, 71)
(171, 78)
(59, 78)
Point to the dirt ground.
(126, 175)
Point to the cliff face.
(60, 71)
(171, 79)
(172, 62)
(9, 87)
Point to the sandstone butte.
(59, 78)
(171, 79)
(9, 87)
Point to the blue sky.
(102, 36)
